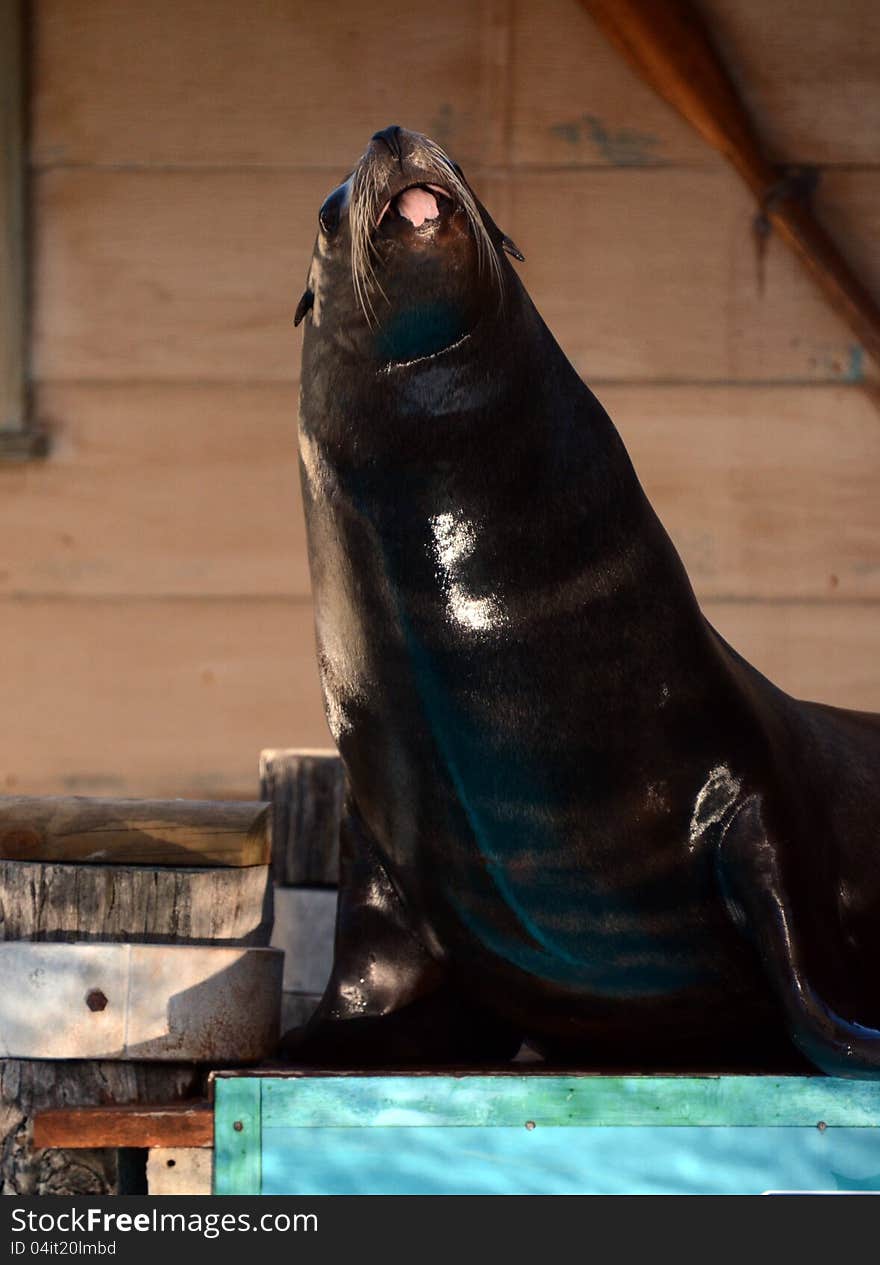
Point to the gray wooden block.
(140, 904)
(306, 790)
(179, 1170)
(179, 1003)
(305, 921)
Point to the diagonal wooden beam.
(668, 44)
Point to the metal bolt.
(821, 1126)
(530, 1124)
(237, 1125)
(95, 999)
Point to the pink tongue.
(417, 205)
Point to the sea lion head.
(406, 260)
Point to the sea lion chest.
(469, 659)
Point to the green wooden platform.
(540, 1133)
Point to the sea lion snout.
(389, 136)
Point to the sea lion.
(576, 815)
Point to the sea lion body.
(576, 816)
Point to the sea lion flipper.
(388, 1000)
(306, 303)
(753, 882)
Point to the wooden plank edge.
(189, 833)
(188, 1124)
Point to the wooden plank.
(767, 491)
(809, 72)
(285, 73)
(140, 903)
(659, 283)
(306, 790)
(177, 1003)
(184, 694)
(134, 832)
(179, 1171)
(574, 101)
(13, 264)
(160, 490)
(237, 1136)
(203, 310)
(184, 1124)
(825, 652)
(548, 1099)
(180, 700)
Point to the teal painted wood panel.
(540, 1133)
(367, 1101)
(509, 1160)
(238, 1146)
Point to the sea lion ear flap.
(306, 303)
(512, 249)
(501, 240)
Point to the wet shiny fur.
(576, 815)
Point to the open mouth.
(417, 203)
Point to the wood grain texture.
(824, 652)
(191, 275)
(299, 84)
(160, 490)
(75, 829)
(285, 71)
(561, 1100)
(237, 1136)
(768, 492)
(661, 280)
(180, 700)
(670, 47)
(135, 904)
(808, 72)
(210, 682)
(184, 1124)
(305, 790)
(183, 275)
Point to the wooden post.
(306, 790)
(17, 440)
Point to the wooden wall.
(156, 625)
